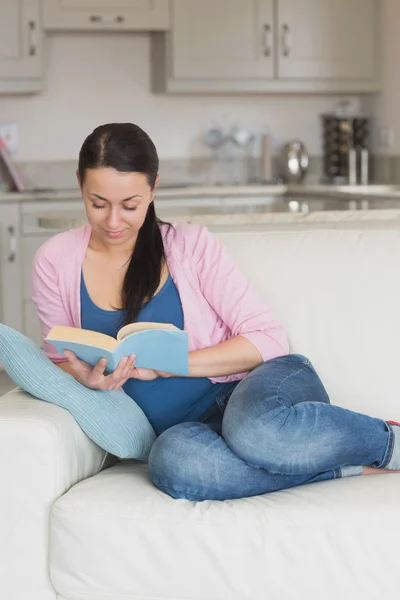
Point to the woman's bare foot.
(372, 471)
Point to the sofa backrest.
(337, 292)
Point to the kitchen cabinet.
(269, 46)
(224, 39)
(106, 15)
(338, 42)
(21, 52)
(11, 261)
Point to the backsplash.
(193, 171)
(61, 175)
(99, 78)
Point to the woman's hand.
(94, 377)
(148, 374)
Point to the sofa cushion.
(116, 536)
(110, 418)
(337, 292)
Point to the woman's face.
(116, 203)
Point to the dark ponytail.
(125, 147)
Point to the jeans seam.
(286, 378)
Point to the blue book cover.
(162, 347)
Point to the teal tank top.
(165, 402)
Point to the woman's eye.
(98, 205)
(130, 207)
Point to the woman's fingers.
(96, 375)
(121, 374)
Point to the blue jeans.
(274, 430)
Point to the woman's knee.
(176, 457)
(261, 405)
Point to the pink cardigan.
(217, 300)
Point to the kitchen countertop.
(293, 190)
(228, 207)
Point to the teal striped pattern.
(110, 418)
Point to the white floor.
(5, 383)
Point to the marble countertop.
(66, 221)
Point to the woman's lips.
(114, 234)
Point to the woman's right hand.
(94, 377)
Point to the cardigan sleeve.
(234, 299)
(47, 298)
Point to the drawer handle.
(267, 40)
(286, 40)
(32, 43)
(13, 244)
(110, 19)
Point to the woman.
(250, 418)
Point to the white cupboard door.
(10, 260)
(20, 40)
(229, 39)
(106, 15)
(327, 39)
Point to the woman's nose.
(113, 219)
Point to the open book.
(159, 346)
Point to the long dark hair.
(126, 147)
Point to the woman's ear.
(79, 180)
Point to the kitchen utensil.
(340, 133)
(214, 138)
(294, 161)
(266, 157)
(241, 136)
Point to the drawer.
(31, 323)
(35, 214)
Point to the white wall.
(96, 78)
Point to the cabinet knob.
(267, 39)
(286, 40)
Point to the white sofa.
(71, 529)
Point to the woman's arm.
(256, 335)
(47, 297)
(228, 358)
(50, 310)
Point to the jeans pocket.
(223, 397)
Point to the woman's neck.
(124, 250)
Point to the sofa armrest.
(43, 452)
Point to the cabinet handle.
(286, 40)
(110, 19)
(13, 244)
(267, 40)
(32, 44)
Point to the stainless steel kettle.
(294, 161)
